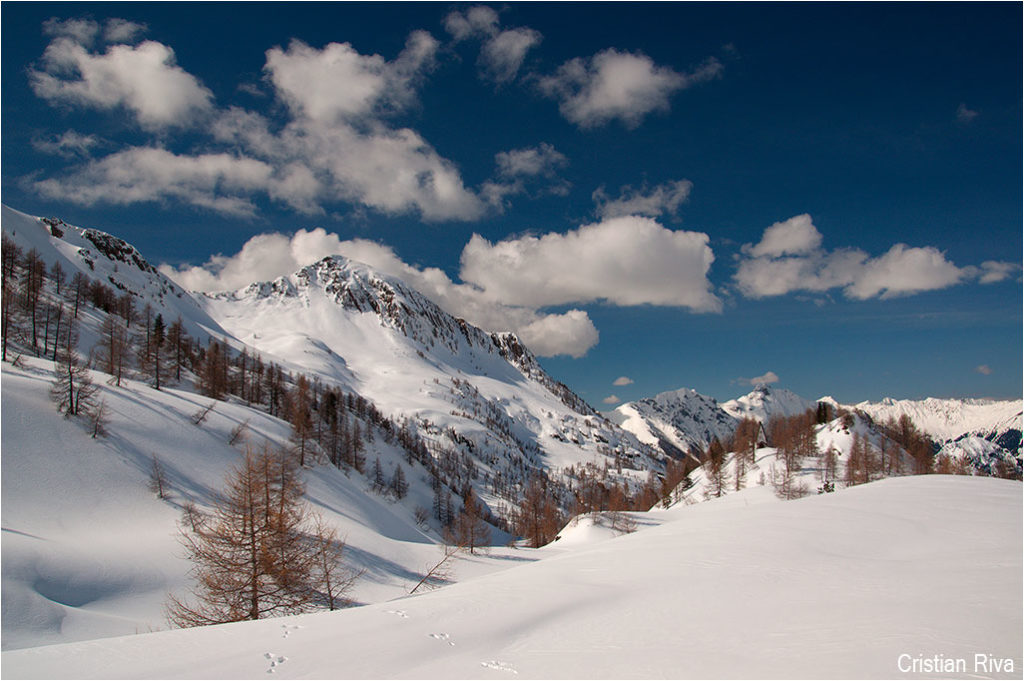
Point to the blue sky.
(824, 196)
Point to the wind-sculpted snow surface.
(857, 584)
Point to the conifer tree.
(299, 416)
(538, 518)
(72, 390)
(470, 529)
(33, 272)
(251, 555)
(11, 261)
(398, 483)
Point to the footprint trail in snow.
(274, 661)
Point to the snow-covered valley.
(720, 578)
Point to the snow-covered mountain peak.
(679, 421)
(764, 402)
(358, 288)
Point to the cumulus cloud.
(622, 380)
(268, 256)
(335, 145)
(68, 144)
(983, 369)
(662, 199)
(618, 85)
(143, 78)
(518, 168)
(502, 52)
(624, 261)
(338, 83)
(790, 257)
(795, 236)
(611, 399)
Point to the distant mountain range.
(683, 421)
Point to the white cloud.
(965, 115)
(477, 20)
(502, 56)
(611, 399)
(764, 379)
(87, 31)
(903, 270)
(622, 85)
(795, 236)
(338, 83)
(143, 78)
(335, 146)
(519, 167)
(789, 258)
(68, 144)
(571, 333)
(993, 271)
(624, 261)
(220, 182)
(662, 199)
(268, 256)
(543, 159)
(502, 52)
(983, 369)
(622, 380)
(122, 31)
(82, 31)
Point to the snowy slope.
(90, 552)
(108, 259)
(836, 586)
(765, 402)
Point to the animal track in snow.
(289, 628)
(443, 637)
(274, 661)
(499, 666)
(400, 613)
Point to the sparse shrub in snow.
(202, 414)
(440, 572)
(99, 417)
(158, 480)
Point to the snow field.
(831, 586)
